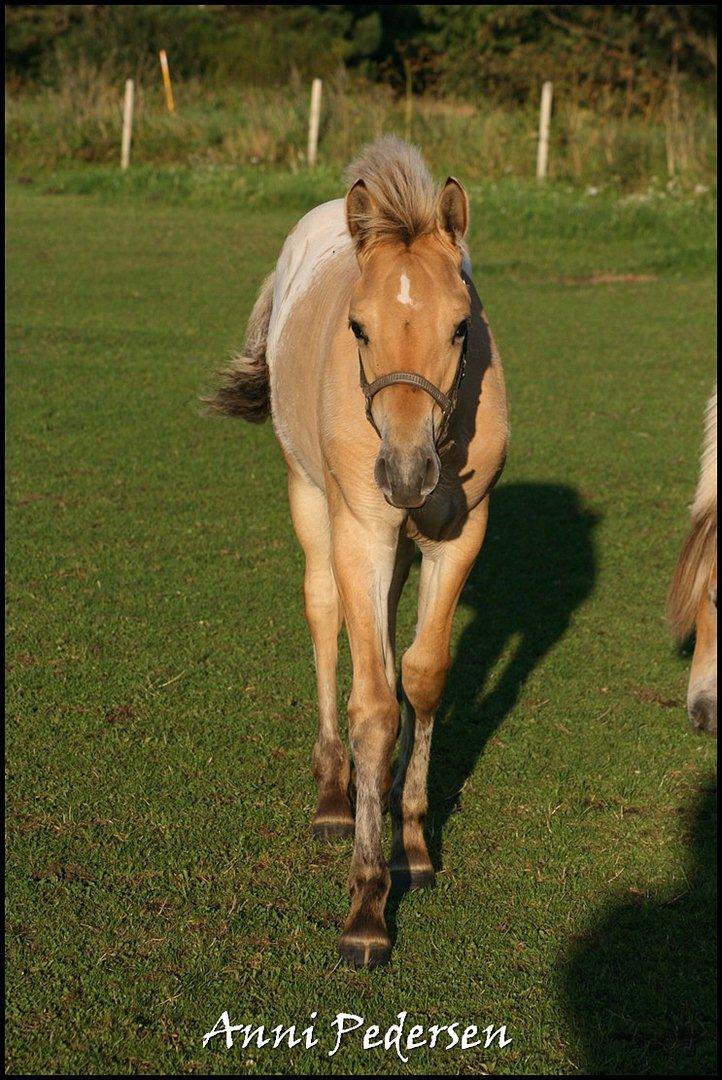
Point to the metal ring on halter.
(446, 402)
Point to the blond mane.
(706, 493)
(698, 558)
(402, 190)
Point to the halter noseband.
(446, 402)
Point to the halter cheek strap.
(446, 402)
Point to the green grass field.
(161, 700)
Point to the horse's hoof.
(422, 879)
(359, 953)
(332, 830)
(407, 879)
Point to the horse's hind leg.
(309, 511)
(404, 557)
(444, 570)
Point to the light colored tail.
(244, 389)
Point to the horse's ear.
(360, 207)
(453, 210)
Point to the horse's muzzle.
(406, 478)
(702, 709)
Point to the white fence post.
(127, 125)
(313, 122)
(545, 112)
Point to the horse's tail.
(698, 557)
(244, 387)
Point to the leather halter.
(446, 402)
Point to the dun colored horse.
(370, 349)
(692, 600)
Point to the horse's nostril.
(381, 473)
(431, 475)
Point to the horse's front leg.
(424, 666)
(333, 817)
(364, 561)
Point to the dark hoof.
(406, 880)
(364, 954)
(332, 830)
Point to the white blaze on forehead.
(404, 294)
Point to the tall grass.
(80, 121)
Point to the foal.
(370, 349)
(692, 600)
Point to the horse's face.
(409, 312)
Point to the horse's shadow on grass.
(536, 567)
(641, 986)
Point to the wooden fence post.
(166, 80)
(545, 112)
(313, 122)
(127, 125)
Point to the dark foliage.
(630, 54)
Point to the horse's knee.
(423, 675)
(320, 601)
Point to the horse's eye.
(357, 331)
(461, 330)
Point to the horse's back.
(313, 278)
(319, 236)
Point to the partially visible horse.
(692, 600)
(370, 349)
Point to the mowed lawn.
(161, 699)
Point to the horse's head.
(409, 312)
